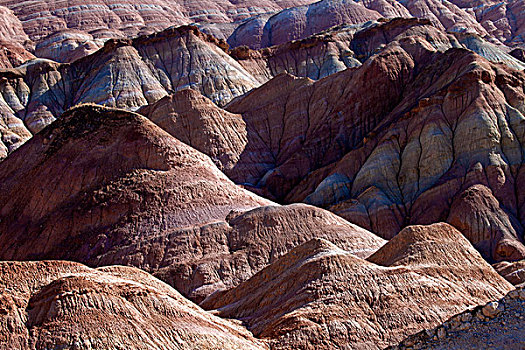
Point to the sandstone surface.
(319, 296)
(58, 304)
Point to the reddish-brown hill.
(58, 304)
(105, 187)
(320, 297)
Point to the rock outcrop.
(496, 325)
(124, 73)
(198, 122)
(13, 55)
(309, 300)
(105, 187)
(69, 45)
(58, 304)
(393, 142)
(11, 29)
(514, 271)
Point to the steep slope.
(104, 187)
(309, 300)
(124, 73)
(498, 325)
(198, 122)
(11, 29)
(56, 304)
(393, 142)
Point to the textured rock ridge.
(161, 206)
(498, 324)
(88, 206)
(57, 304)
(514, 271)
(198, 122)
(309, 300)
(395, 142)
(123, 73)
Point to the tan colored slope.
(58, 304)
(105, 186)
(319, 296)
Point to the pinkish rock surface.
(59, 304)
(161, 206)
(309, 300)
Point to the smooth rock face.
(308, 300)
(58, 304)
(161, 206)
(497, 325)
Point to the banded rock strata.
(320, 297)
(59, 304)
(161, 206)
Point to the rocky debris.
(308, 299)
(58, 304)
(161, 206)
(496, 325)
(513, 271)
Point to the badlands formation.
(262, 175)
